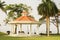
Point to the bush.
(34, 32)
(28, 32)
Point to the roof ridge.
(19, 18)
(25, 18)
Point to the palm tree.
(2, 4)
(47, 9)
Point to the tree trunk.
(47, 25)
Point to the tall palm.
(2, 4)
(48, 9)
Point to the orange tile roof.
(25, 17)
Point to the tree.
(47, 9)
(15, 11)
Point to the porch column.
(27, 29)
(13, 28)
(30, 29)
(20, 27)
(37, 29)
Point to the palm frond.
(47, 8)
(2, 4)
(10, 14)
(3, 9)
(42, 19)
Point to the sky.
(34, 4)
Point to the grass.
(3, 36)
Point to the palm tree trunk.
(47, 25)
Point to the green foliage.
(42, 20)
(47, 8)
(11, 14)
(6, 20)
(18, 8)
(2, 4)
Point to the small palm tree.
(47, 9)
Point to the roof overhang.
(24, 22)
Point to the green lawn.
(43, 37)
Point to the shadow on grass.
(2, 34)
(42, 34)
